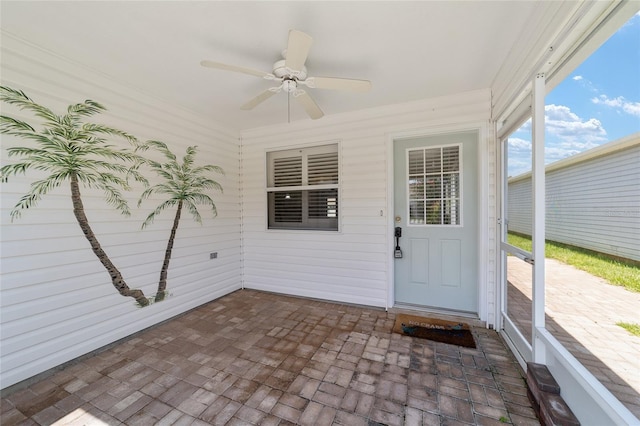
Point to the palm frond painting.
(69, 149)
(184, 185)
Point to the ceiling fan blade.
(333, 83)
(297, 49)
(220, 66)
(308, 104)
(259, 99)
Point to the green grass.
(630, 327)
(614, 271)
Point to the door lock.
(397, 253)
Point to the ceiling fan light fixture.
(289, 85)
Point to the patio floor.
(581, 312)
(259, 358)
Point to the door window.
(434, 185)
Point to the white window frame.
(307, 224)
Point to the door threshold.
(446, 314)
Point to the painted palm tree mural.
(184, 185)
(72, 150)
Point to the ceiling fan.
(290, 74)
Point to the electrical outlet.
(213, 255)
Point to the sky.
(597, 103)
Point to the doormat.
(453, 333)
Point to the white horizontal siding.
(519, 207)
(351, 265)
(56, 300)
(593, 203)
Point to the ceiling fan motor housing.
(281, 71)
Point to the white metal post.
(538, 234)
(504, 194)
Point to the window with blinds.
(433, 176)
(302, 188)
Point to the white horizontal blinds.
(434, 185)
(323, 203)
(322, 168)
(451, 185)
(287, 171)
(302, 188)
(416, 171)
(287, 206)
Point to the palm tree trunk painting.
(162, 283)
(69, 149)
(114, 273)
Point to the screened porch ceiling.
(408, 50)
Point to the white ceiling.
(409, 50)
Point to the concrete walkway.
(582, 312)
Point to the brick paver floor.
(582, 312)
(259, 358)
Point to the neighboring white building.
(593, 199)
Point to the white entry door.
(435, 187)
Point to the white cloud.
(586, 83)
(519, 156)
(567, 134)
(519, 144)
(552, 154)
(632, 108)
(620, 103)
(604, 100)
(571, 130)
